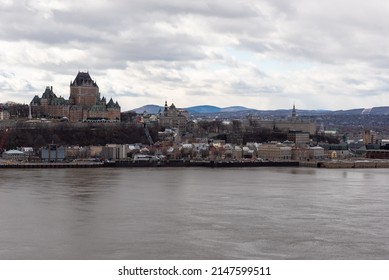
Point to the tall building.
(369, 137)
(84, 103)
(84, 91)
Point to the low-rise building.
(275, 151)
(14, 155)
(377, 154)
(316, 153)
(115, 152)
(52, 153)
(4, 115)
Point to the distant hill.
(234, 109)
(203, 109)
(380, 110)
(240, 111)
(384, 110)
(151, 109)
(348, 112)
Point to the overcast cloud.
(265, 54)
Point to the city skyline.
(259, 54)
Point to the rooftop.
(83, 79)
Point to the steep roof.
(112, 104)
(49, 94)
(83, 79)
(36, 100)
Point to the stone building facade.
(84, 103)
(292, 123)
(171, 117)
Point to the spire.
(110, 104)
(294, 114)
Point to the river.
(194, 213)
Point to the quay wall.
(208, 164)
(51, 165)
(346, 164)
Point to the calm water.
(194, 213)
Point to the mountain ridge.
(214, 110)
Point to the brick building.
(84, 103)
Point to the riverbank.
(131, 164)
(206, 164)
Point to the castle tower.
(84, 91)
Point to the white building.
(14, 155)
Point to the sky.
(261, 54)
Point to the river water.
(194, 213)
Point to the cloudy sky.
(265, 54)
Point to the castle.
(84, 103)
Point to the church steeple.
(294, 113)
(166, 107)
(165, 111)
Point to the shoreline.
(207, 164)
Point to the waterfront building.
(94, 151)
(84, 103)
(248, 153)
(228, 151)
(307, 153)
(52, 153)
(14, 155)
(275, 151)
(316, 153)
(115, 152)
(377, 154)
(339, 151)
(75, 152)
(300, 153)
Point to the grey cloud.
(176, 35)
(247, 89)
(6, 74)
